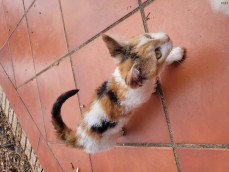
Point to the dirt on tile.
(12, 156)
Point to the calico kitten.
(138, 63)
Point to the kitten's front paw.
(175, 55)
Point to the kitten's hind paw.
(177, 54)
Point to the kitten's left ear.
(115, 47)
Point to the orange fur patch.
(89, 132)
(125, 68)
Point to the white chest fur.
(134, 97)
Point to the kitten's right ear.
(115, 47)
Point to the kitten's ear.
(134, 79)
(115, 47)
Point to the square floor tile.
(46, 158)
(199, 160)
(78, 158)
(47, 33)
(86, 18)
(3, 27)
(134, 159)
(52, 84)
(30, 96)
(14, 11)
(6, 62)
(196, 91)
(20, 110)
(21, 54)
(93, 65)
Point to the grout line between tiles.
(89, 155)
(4, 23)
(143, 16)
(31, 50)
(56, 62)
(72, 68)
(54, 156)
(56, 142)
(168, 124)
(21, 99)
(68, 49)
(38, 144)
(180, 145)
(14, 29)
(7, 76)
(63, 22)
(145, 144)
(12, 63)
(203, 146)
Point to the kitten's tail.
(62, 131)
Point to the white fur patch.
(118, 77)
(175, 55)
(142, 41)
(158, 35)
(135, 97)
(166, 49)
(95, 115)
(109, 137)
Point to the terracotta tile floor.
(48, 47)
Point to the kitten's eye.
(158, 53)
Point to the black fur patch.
(105, 125)
(134, 56)
(125, 55)
(128, 54)
(56, 109)
(102, 90)
(112, 96)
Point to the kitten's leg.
(175, 55)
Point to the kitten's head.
(141, 57)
